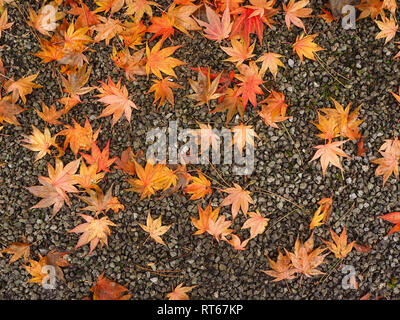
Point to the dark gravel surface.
(217, 269)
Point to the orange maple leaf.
(282, 268)
(163, 90)
(295, 11)
(339, 247)
(250, 79)
(240, 50)
(216, 29)
(155, 229)
(257, 224)
(238, 198)
(204, 89)
(100, 158)
(329, 154)
(179, 293)
(202, 223)
(78, 137)
(117, 99)
(21, 87)
(393, 217)
(199, 187)
(105, 289)
(94, 231)
(98, 202)
(243, 135)
(160, 61)
(304, 46)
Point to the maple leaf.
(391, 5)
(347, 123)
(387, 165)
(238, 198)
(139, 7)
(327, 16)
(107, 29)
(100, 203)
(205, 90)
(275, 110)
(105, 289)
(240, 50)
(322, 214)
(182, 180)
(328, 126)
(4, 24)
(21, 87)
(94, 231)
(243, 135)
(46, 19)
(179, 293)
(109, 5)
(86, 18)
(304, 46)
(202, 223)
(250, 21)
(18, 250)
(256, 223)
(9, 110)
(50, 51)
(39, 142)
(393, 217)
(216, 29)
(388, 28)
(36, 270)
(155, 229)
(55, 187)
(232, 103)
(55, 259)
(132, 64)
(125, 163)
(78, 137)
(117, 99)
(181, 16)
(250, 79)
(160, 61)
(88, 177)
(370, 8)
(219, 227)
(329, 154)
(199, 187)
(282, 268)
(75, 38)
(74, 85)
(271, 62)
(295, 11)
(146, 184)
(236, 243)
(305, 259)
(162, 26)
(163, 90)
(100, 158)
(50, 115)
(339, 247)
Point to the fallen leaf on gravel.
(105, 289)
(18, 250)
(179, 293)
(238, 198)
(155, 228)
(363, 248)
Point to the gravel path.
(217, 269)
